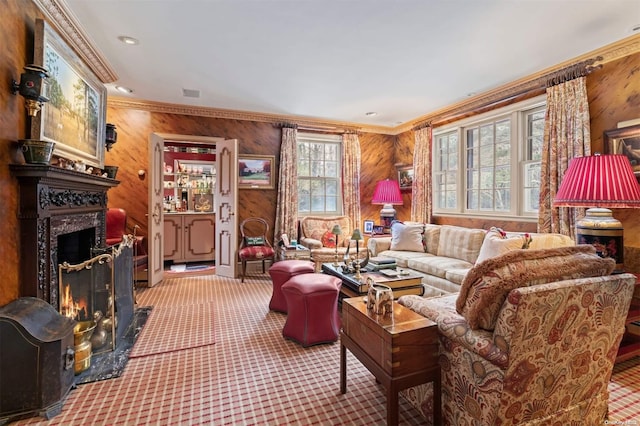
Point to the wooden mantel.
(55, 201)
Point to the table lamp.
(388, 194)
(357, 237)
(600, 182)
(336, 231)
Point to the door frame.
(156, 249)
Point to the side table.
(400, 350)
(299, 253)
(630, 345)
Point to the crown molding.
(529, 84)
(307, 123)
(66, 23)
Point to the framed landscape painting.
(405, 177)
(255, 171)
(74, 116)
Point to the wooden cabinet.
(189, 237)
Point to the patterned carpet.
(173, 328)
(251, 375)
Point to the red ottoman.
(280, 273)
(312, 300)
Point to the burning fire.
(76, 310)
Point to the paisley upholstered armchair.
(520, 347)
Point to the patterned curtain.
(287, 206)
(351, 177)
(421, 188)
(566, 135)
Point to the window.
(490, 164)
(319, 174)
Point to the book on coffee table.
(390, 281)
(397, 292)
(373, 268)
(379, 260)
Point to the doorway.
(225, 198)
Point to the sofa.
(444, 254)
(315, 234)
(531, 338)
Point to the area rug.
(109, 365)
(624, 398)
(175, 328)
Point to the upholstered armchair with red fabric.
(255, 245)
(116, 228)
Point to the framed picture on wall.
(255, 171)
(405, 177)
(368, 226)
(74, 116)
(626, 141)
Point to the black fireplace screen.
(101, 290)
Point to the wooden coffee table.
(401, 351)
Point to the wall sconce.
(110, 136)
(31, 87)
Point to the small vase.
(111, 171)
(36, 151)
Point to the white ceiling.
(339, 59)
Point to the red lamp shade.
(387, 192)
(599, 181)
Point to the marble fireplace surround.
(53, 202)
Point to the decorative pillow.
(329, 240)
(254, 241)
(486, 285)
(496, 243)
(406, 237)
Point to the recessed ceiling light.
(371, 114)
(123, 89)
(635, 28)
(128, 40)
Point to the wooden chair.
(255, 245)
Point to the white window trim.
(517, 159)
(320, 137)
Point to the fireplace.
(55, 202)
(62, 218)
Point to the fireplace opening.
(100, 289)
(75, 247)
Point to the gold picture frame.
(75, 115)
(256, 171)
(626, 141)
(405, 177)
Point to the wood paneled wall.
(16, 51)
(130, 154)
